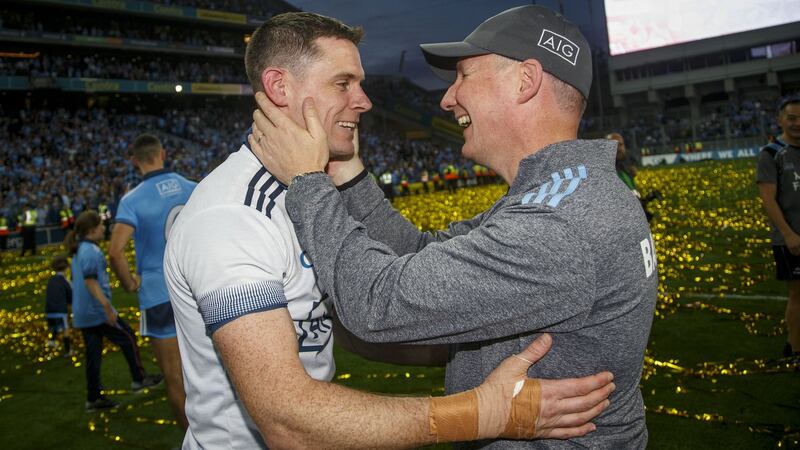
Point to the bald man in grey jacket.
(566, 251)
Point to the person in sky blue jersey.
(95, 316)
(146, 213)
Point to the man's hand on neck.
(342, 169)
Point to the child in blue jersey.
(146, 213)
(94, 314)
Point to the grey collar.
(539, 167)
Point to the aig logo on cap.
(559, 45)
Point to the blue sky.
(395, 26)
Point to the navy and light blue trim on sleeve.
(231, 302)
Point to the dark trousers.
(122, 336)
(28, 240)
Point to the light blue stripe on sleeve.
(557, 182)
(527, 197)
(552, 190)
(573, 184)
(540, 195)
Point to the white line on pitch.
(733, 296)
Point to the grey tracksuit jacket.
(567, 251)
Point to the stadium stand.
(127, 67)
(100, 26)
(717, 93)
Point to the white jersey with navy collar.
(233, 251)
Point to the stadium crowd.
(109, 27)
(52, 159)
(720, 120)
(124, 66)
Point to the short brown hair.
(146, 148)
(287, 40)
(792, 100)
(59, 263)
(86, 222)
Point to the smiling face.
(333, 80)
(789, 121)
(479, 99)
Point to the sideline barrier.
(677, 158)
(44, 236)
(124, 86)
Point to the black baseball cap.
(522, 33)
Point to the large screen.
(635, 25)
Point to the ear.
(530, 81)
(273, 80)
(163, 154)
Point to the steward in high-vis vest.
(3, 233)
(105, 216)
(404, 185)
(386, 184)
(67, 218)
(27, 222)
(451, 177)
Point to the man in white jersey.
(255, 332)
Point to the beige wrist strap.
(454, 417)
(524, 411)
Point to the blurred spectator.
(626, 171)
